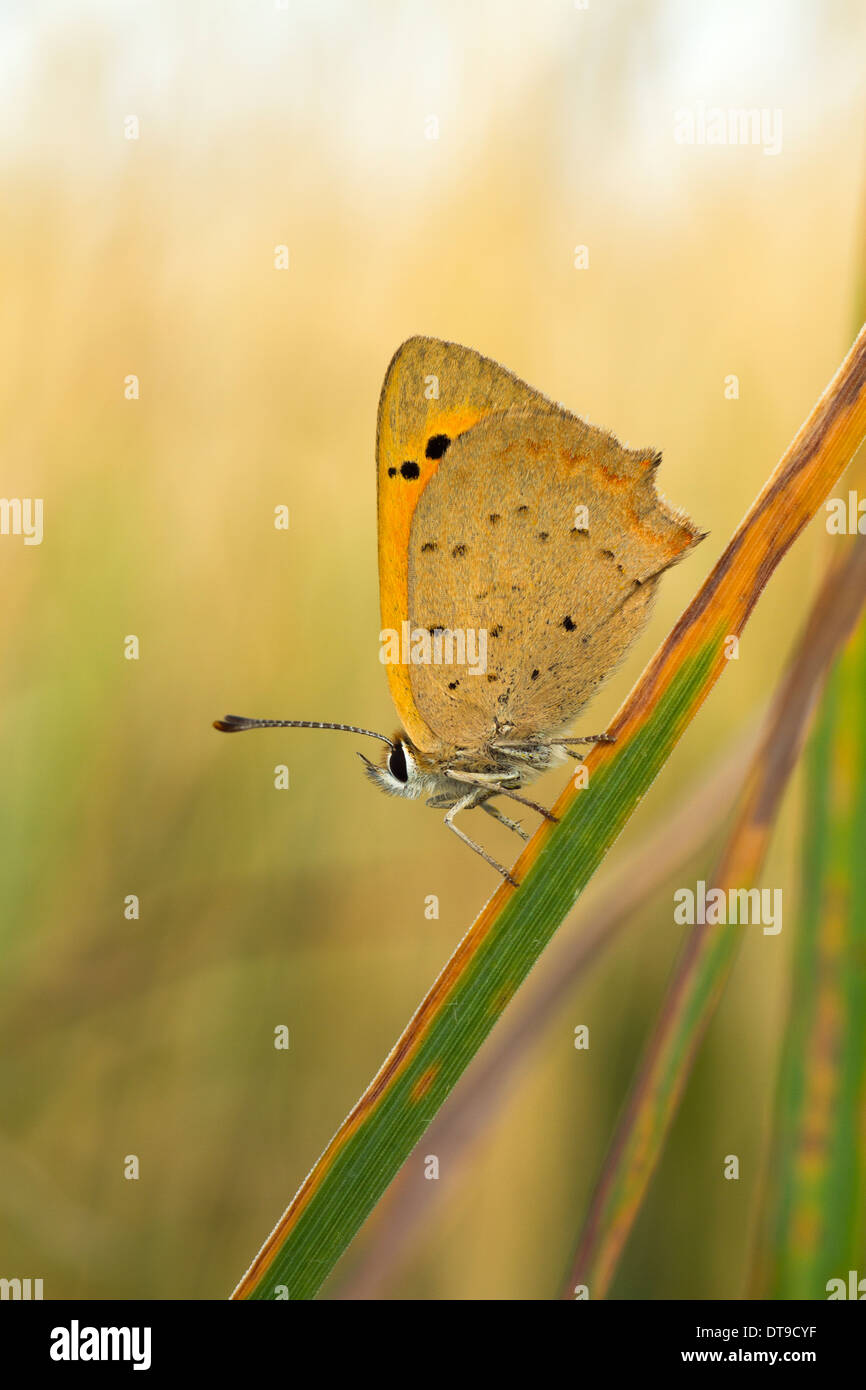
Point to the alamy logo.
(75, 1343)
(714, 907)
(855, 1288)
(22, 516)
(846, 516)
(733, 125)
(436, 646)
(20, 1288)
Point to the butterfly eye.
(397, 763)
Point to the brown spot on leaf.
(424, 1083)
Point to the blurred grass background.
(306, 126)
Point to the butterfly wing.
(434, 392)
(543, 531)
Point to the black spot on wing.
(436, 446)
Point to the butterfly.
(520, 549)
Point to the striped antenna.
(234, 723)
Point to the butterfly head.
(402, 771)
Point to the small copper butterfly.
(519, 553)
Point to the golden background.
(307, 126)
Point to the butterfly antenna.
(234, 723)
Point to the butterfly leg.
(587, 738)
(533, 805)
(488, 781)
(529, 751)
(495, 812)
(475, 798)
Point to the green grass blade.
(705, 964)
(604, 913)
(814, 1228)
(817, 1172)
(506, 940)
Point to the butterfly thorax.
(445, 773)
